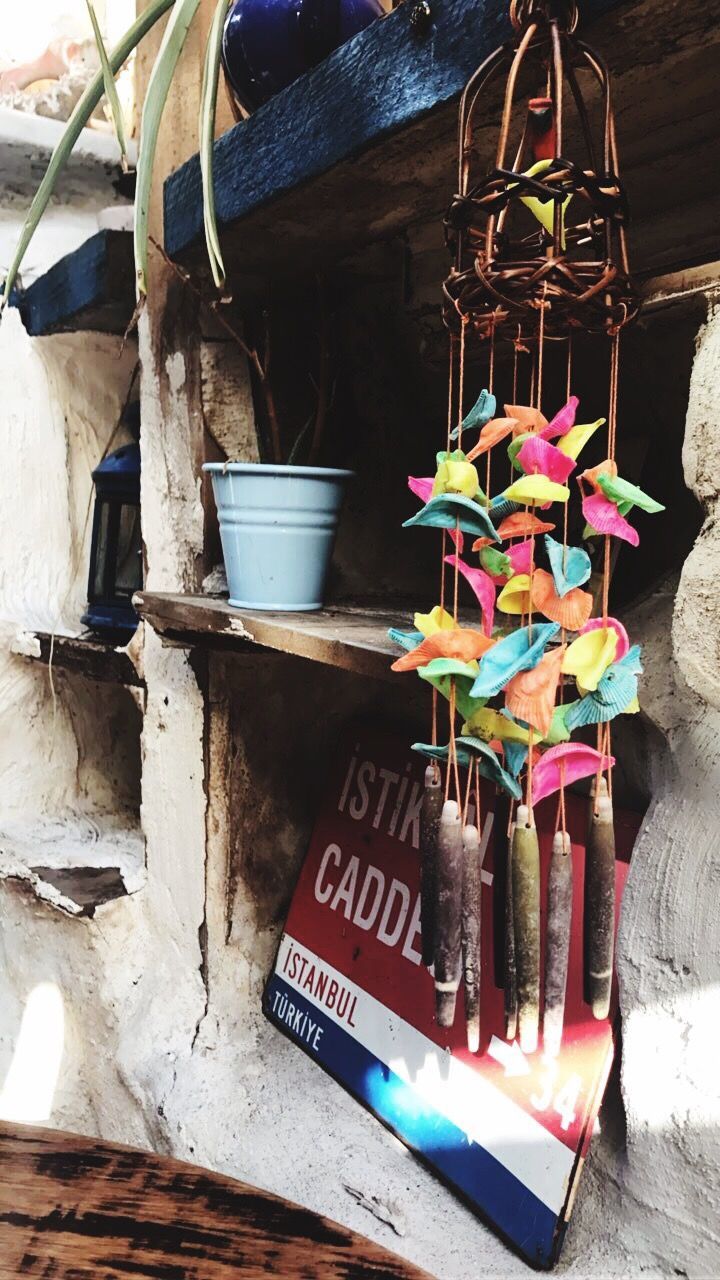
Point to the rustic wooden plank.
(79, 1209)
(353, 637)
(85, 655)
(383, 81)
(91, 288)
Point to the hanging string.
(569, 365)
(491, 389)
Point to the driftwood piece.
(448, 913)
(526, 920)
(557, 941)
(80, 1209)
(471, 933)
(430, 815)
(599, 906)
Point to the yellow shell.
(577, 437)
(536, 489)
(438, 619)
(515, 595)
(589, 657)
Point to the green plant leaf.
(208, 106)
(83, 110)
(111, 92)
(158, 88)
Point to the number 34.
(564, 1102)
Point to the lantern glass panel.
(128, 575)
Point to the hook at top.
(564, 12)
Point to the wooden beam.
(91, 288)
(385, 80)
(80, 1208)
(85, 655)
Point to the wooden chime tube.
(430, 813)
(526, 920)
(510, 973)
(448, 913)
(471, 933)
(599, 912)
(557, 941)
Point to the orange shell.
(461, 642)
(527, 418)
(492, 433)
(608, 468)
(522, 524)
(479, 543)
(530, 695)
(571, 611)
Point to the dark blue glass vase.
(269, 43)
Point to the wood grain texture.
(75, 1208)
(91, 288)
(384, 80)
(85, 655)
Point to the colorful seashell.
(571, 611)
(406, 639)
(616, 693)
(453, 510)
(456, 475)
(570, 566)
(574, 442)
(604, 517)
(589, 657)
(608, 467)
(521, 525)
(439, 667)
(520, 555)
(515, 595)
(469, 750)
(483, 586)
(465, 705)
(623, 645)
(623, 492)
(519, 651)
(461, 642)
(491, 435)
(488, 724)
(515, 756)
(536, 489)
(479, 543)
(501, 508)
(565, 764)
(482, 411)
(421, 486)
(438, 619)
(516, 445)
(530, 419)
(496, 563)
(563, 421)
(530, 695)
(537, 457)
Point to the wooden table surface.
(75, 1208)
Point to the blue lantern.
(116, 549)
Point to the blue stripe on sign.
(524, 1219)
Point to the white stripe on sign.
(462, 1095)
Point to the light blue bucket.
(278, 526)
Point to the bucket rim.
(277, 469)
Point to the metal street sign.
(508, 1132)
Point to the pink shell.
(537, 456)
(571, 759)
(563, 421)
(482, 585)
(422, 488)
(520, 556)
(623, 644)
(604, 516)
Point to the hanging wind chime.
(539, 254)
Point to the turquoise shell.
(577, 565)
(482, 411)
(450, 510)
(407, 640)
(468, 750)
(520, 651)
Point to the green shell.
(621, 491)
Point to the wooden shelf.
(90, 289)
(364, 145)
(353, 637)
(83, 654)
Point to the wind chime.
(539, 253)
